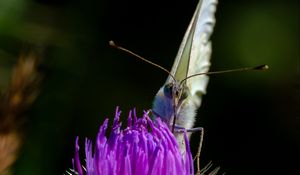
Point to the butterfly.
(178, 99)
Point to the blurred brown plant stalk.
(14, 103)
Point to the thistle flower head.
(143, 147)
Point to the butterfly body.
(180, 96)
(173, 100)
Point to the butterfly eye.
(184, 93)
(177, 93)
(168, 90)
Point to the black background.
(251, 119)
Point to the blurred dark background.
(251, 119)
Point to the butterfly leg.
(150, 111)
(199, 149)
(209, 165)
(195, 129)
(180, 128)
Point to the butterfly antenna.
(112, 44)
(259, 68)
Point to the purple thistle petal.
(129, 120)
(134, 115)
(77, 159)
(89, 155)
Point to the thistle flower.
(143, 147)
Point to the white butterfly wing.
(193, 57)
(201, 50)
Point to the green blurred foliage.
(251, 118)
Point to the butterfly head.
(176, 91)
